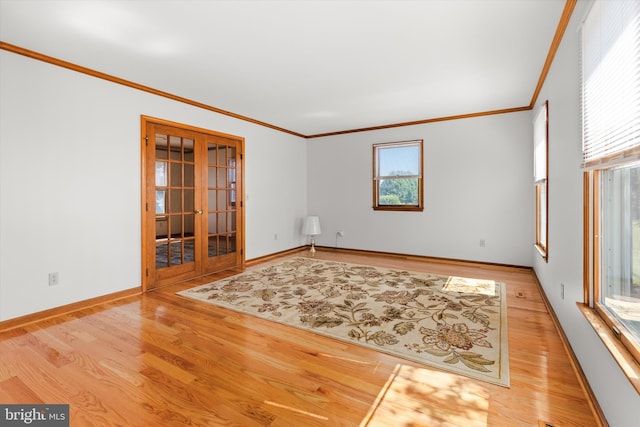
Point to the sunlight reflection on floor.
(291, 408)
(470, 286)
(423, 397)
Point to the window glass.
(401, 160)
(540, 170)
(541, 213)
(620, 245)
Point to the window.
(397, 176)
(540, 172)
(611, 151)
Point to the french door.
(192, 202)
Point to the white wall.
(477, 185)
(618, 399)
(70, 183)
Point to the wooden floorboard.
(161, 359)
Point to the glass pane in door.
(175, 252)
(212, 224)
(188, 153)
(222, 223)
(222, 199)
(189, 250)
(162, 150)
(232, 242)
(176, 174)
(212, 246)
(188, 200)
(211, 197)
(189, 227)
(162, 255)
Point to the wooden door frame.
(146, 189)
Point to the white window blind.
(611, 82)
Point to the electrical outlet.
(53, 279)
(275, 236)
(562, 290)
(482, 243)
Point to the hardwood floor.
(160, 359)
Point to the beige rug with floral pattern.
(452, 323)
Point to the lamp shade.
(311, 226)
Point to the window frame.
(624, 348)
(420, 177)
(541, 179)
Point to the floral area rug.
(452, 323)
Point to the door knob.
(198, 212)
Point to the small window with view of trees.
(397, 176)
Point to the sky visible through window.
(397, 159)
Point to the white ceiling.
(308, 66)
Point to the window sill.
(399, 208)
(542, 251)
(621, 355)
